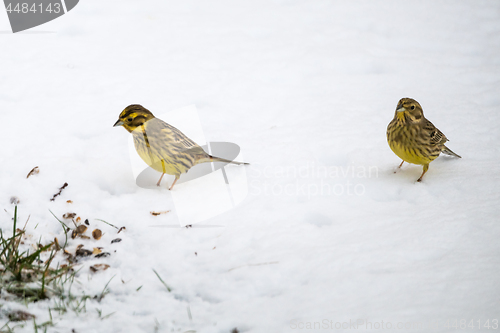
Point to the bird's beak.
(118, 123)
(401, 109)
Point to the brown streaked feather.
(172, 137)
(436, 136)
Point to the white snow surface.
(306, 89)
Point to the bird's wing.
(435, 135)
(179, 137)
(169, 135)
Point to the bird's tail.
(219, 159)
(211, 158)
(448, 151)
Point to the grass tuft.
(24, 273)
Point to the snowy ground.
(306, 88)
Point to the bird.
(413, 138)
(162, 146)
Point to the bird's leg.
(399, 167)
(158, 184)
(175, 180)
(426, 167)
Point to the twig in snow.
(159, 213)
(59, 193)
(259, 264)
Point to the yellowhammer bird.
(414, 138)
(162, 146)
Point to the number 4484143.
(34, 8)
(463, 324)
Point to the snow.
(306, 89)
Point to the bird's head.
(409, 108)
(133, 116)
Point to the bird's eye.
(129, 119)
(413, 107)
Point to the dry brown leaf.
(99, 267)
(81, 229)
(96, 250)
(69, 256)
(33, 171)
(84, 237)
(56, 244)
(97, 234)
(69, 201)
(69, 215)
(78, 219)
(83, 252)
